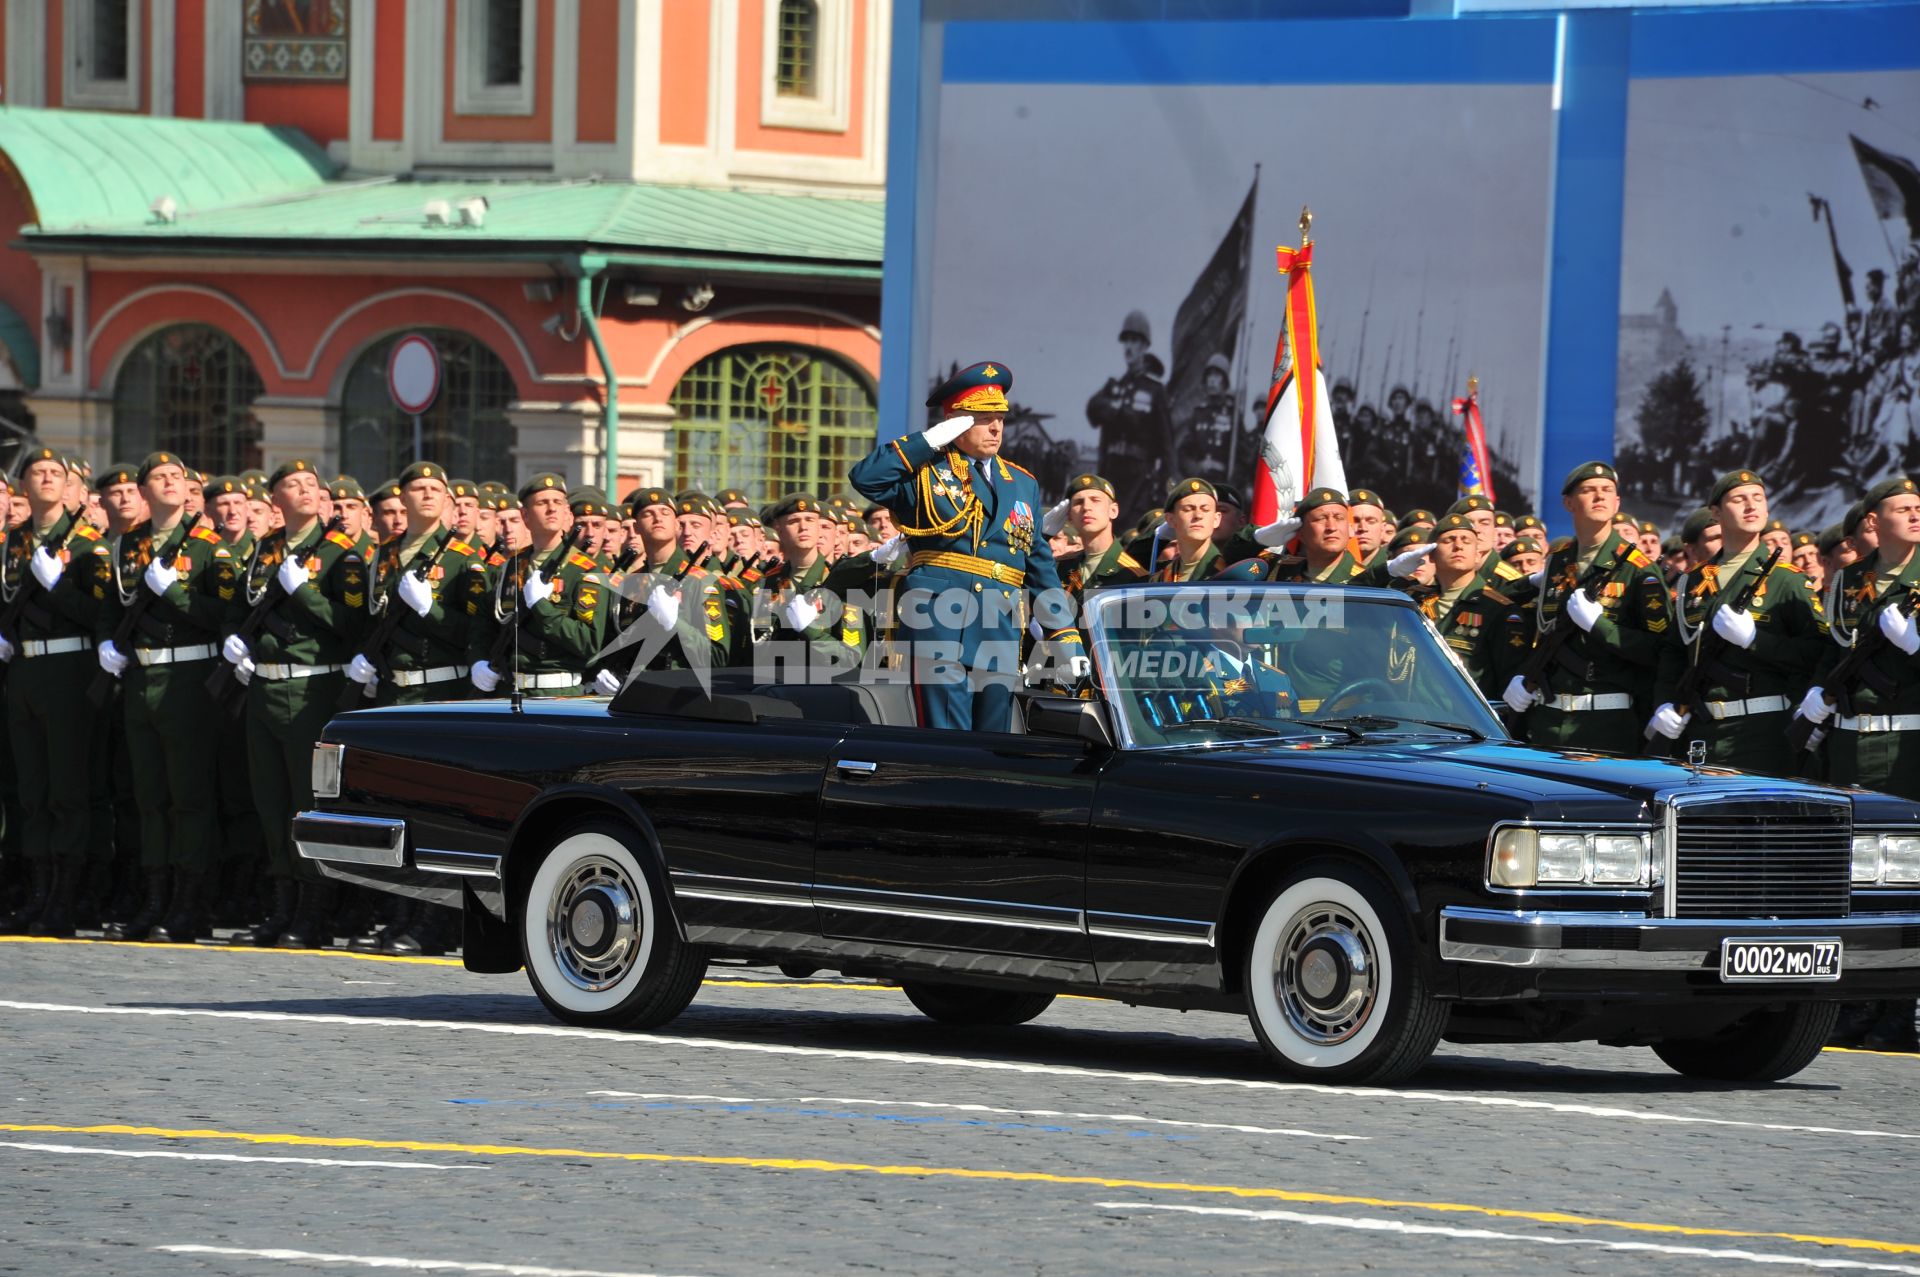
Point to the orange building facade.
(661, 216)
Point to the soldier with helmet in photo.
(1130, 412)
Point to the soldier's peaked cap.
(117, 473)
(1888, 488)
(979, 387)
(1318, 497)
(287, 469)
(1588, 470)
(1091, 483)
(1734, 479)
(548, 482)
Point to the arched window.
(465, 429)
(188, 390)
(797, 50)
(770, 420)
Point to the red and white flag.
(1299, 450)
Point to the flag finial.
(1306, 224)
(1473, 384)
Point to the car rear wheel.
(961, 1004)
(599, 947)
(1765, 1046)
(1334, 989)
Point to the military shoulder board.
(579, 560)
(456, 546)
(342, 540)
(205, 534)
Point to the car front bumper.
(1626, 942)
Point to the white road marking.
(234, 1157)
(980, 1108)
(922, 1061)
(397, 1261)
(1531, 1239)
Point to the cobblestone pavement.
(179, 1110)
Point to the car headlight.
(327, 759)
(1520, 857)
(1889, 859)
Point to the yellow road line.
(964, 1173)
(1860, 1050)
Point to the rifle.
(130, 621)
(1709, 646)
(1857, 666)
(225, 680)
(375, 649)
(1547, 646)
(508, 638)
(23, 594)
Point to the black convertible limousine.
(1284, 801)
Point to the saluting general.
(971, 519)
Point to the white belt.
(1740, 709)
(281, 673)
(1878, 723)
(172, 655)
(1587, 701)
(420, 678)
(54, 647)
(537, 681)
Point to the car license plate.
(1813, 959)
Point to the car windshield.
(1202, 665)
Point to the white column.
(291, 427)
(563, 438)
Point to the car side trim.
(1563, 940)
(464, 864)
(758, 891)
(350, 840)
(1158, 930)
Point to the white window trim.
(78, 87)
(471, 94)
(26, 70)
(829, 111)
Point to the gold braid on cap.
(970, 518)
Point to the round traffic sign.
(413, 373)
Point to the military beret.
(494, 488)
(500, 503)
(226, 485)
(1775, 525)
(347, 488)
(1501, 519)
(1830, 538)
(731, 496)
(977, 388)
(79, 465)
(1091, 483)
(694, 503)
(1804, 538)
(1227, 494)
(586, 501)
(423, 470)
(795, 503)
(1150, 520)
(464, 488)
(1453, 523)
(1406, 538)
(1734, 479)
(256, 492)
(1649, 526)
(1698, 522)
(118, 473)
(1526, 522)
(253, 476)
(1470, 505)
(1415, 517)
(1558, 544)
(1316, 498)
(1365, 496)
(742, 519)
(1588, 470)
(1887, 488)
(1190, 488)
(42, 454)
(1672, 545)
(299, 465)
(640, 498)
(1629, 520)
(547, 482)
(1850, 522)
(1522, 545)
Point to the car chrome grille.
(1763, 858)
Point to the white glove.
(6, 651)
(1814, 707)
(1538, 579)
(535, 589)
(1736, 628)
(482, 677)
(1276, 534)
(235, 649)
(112, 659)
(1055, 518)
(606, 683)
(47, 568)
(1583, 611)
(244, 671)
(415, 593)
(1670, 722)
(1407, 562)
(798, 613)
(293, 574)
(161, 576)
(1080, 666)
(1519, 697)
(663, 605)
(1900, 629)
(361, 671)
(890, 551)
(947, 431)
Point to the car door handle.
(854, 767)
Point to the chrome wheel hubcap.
(593, 924)
(1326, 974)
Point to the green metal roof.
(89, 169)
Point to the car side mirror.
(1069, 716)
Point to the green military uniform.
(242, 849)
(559, 635)
(710, 620)
(426, 656)
(1345, 570)
(840, 627)
(1746, 695)
(1112, 566)
(1874, 735)
(1485, 628)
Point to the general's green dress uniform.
(48, 718)
(299, 655)
(175, 644)
(1874, 736)
(427, 655)
(1747, 695)
(559, 635)
(1599, 688)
